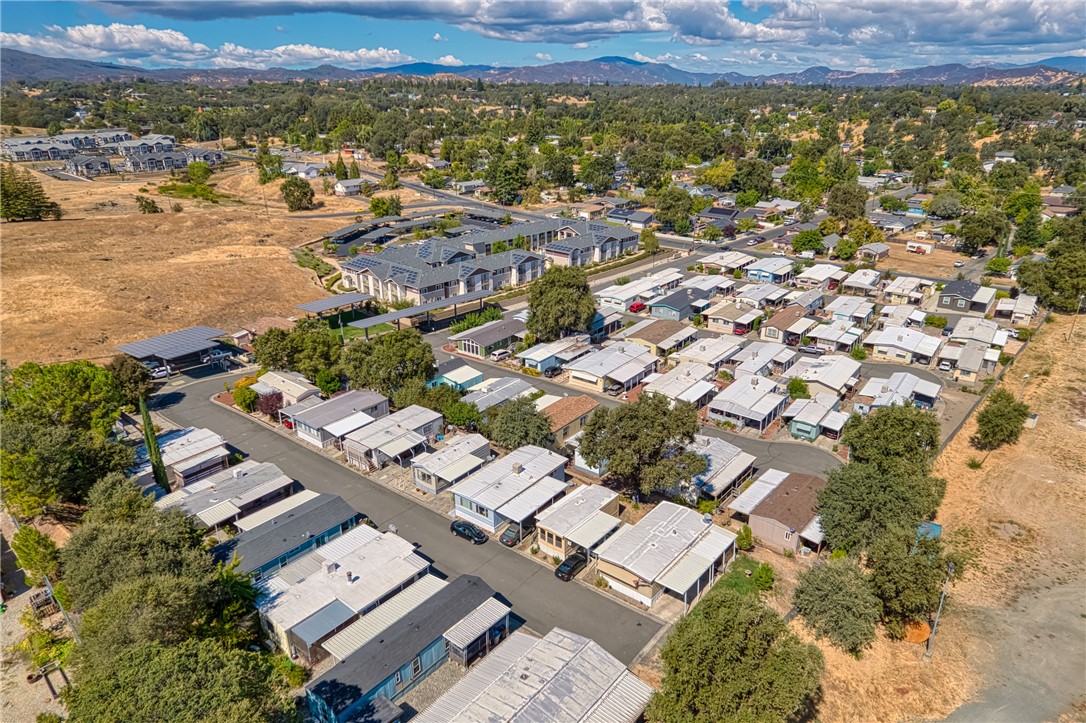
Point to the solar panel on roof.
(175, 344)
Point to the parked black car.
(461, 528)
(513, 536)
(571, 566)
(552, 372)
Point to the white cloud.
(449, 60)
(439, 38)
(544, 57)
(140, 45)
(580, 46)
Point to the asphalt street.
(537, 596)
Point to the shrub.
(858, 353)
(535, 549)
(555, 560)
(622, 280)
(295, 675)
(245, 399)
(936, 322)
(763, 577)
(1024, 333)
(706, 507)
(837, 602)
(745, 539)
(973, 463)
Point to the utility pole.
(938, 612)
(1078, 310)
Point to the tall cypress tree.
(153, 452)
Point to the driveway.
(535, 593)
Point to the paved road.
(535, 593)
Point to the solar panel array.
(175, 344)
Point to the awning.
(217, 514)
(477, 623)
(694, 563)
(401, 444)
(322, 622)
(589, 533)
(454, 471)
(813, 531)
(758, 491)
(348, 424)
(528, 502)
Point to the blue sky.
(748, 36)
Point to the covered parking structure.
(394, 317)
(336, 306)
(175, 349)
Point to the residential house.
(311, 599)
(900, 388)
(873, 251)
(201, 155)
(156, 161)
(151, 143)
(328, 423)
(621, 296)
(728, 317)
(672, 550)
(457, 374)
(985, 331)
(970, 361)
(811, 300)
(770, 270)
(265, 514)
(820, 276)
(728, 261)
(908, 346)
(621, 363)
(579, 521)
(365, 685)
(248, 333)
(819, 416)
(761, 296)
(829, 244)
(1019, 310)
(462, 455)
(727, 466)
(781, 509)
(907, 290)
(230, 494)
(348, 187)
(307, 171)
(593, 243)
(528, 679)
(438, 164)
(906, 316)
(967, 297)
(88, 166)
(470, 186)
(660, 336)
(681, 304)
(393, 438)
(787, 326)
(852, 310)
(687, 382)
(556, 353)
(511, 489)
(264, 547)
(864, 282)
(293, 386)
(482, 341)
(41, 150)
(713, 351)
(830, 374)
(752, 401)
(763, 358)
(838, 335)
(188, 454)
(491, 393)
(568, 416)
(637, 220)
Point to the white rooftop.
(758, 355)
(502, 480)
(570, 512)
(726, 463)
(971, 328)
(820, 273)
(542, 352)
(761, 488)
(728, 259)
(863, 279)
(646, 286)
(220, 497)
(459, 454)
(388, 429)
(758, 294)
(614, 361)
(898, 388)
(851, 307)
(273, 510)
(910, 340)
(181, 445)
(710, 350)
(291, 384)
(771, 265)
(751, 396)
(685, 379)
(657, 541)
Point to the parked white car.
(500, 355)
(214, 356)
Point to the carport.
(338, 303)
(529, 502)
(412, 311)
(178, 348)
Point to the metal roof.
(322, 622)
(410, 311)
(589, 533)
(527, 503)
(710, 350)
(333, 302)
(369, 626)
(477, 623)
(760, 489)
(493, 392)
(650, 547)
(561, 677)
(573, 510)
(339, 408)
(174, 345)
(686, 571)
(496, 484)
(274, 510)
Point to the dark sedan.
(468, 531)
(571, 566)
(513, 535)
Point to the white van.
(500, 355)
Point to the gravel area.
(429, 690)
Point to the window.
(416, 667)
(482, 510)
(446, 645)
(961, 303)
(788, 535)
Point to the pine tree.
(353, 171)
(153, 452)
(23, 198)
(340, 169)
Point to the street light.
(938, 612)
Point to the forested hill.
(16, 65)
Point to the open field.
(939, 264)
(107, 275)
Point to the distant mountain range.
(16, 65)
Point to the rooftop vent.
(517, 468)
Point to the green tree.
(1028, 234)
(809, 240)
(147, 205)
(187, 683)
(836, 602)
(114, 499)
(463, 414)
(36, 554)
(947, 204)
(389, 361)
(644, 443)
(718, 176)
(888, 202)
(763, 577)
(150, 442)
(22, 197)
(246, 399)
(560, 302)
(798, 389)
(327, 380)
(712, 233)
(907, 574)
(648, 241)
(54, 129)
(599, 172)
(1060, 280)
(846, 249)
(308, 348)
(268, 165)
(734, 659)
(847, 201)
(133, 378)
(339, 168)
(386, 205)
(199, 173)
(987, 227)
(753, 176)
(891, 434)
(517, 423)
(1000, 422)
(999, 265)
(745, 539)
(353, 171)
(297, 193)
(673, 205)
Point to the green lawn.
(351, 332)
(736, 577)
